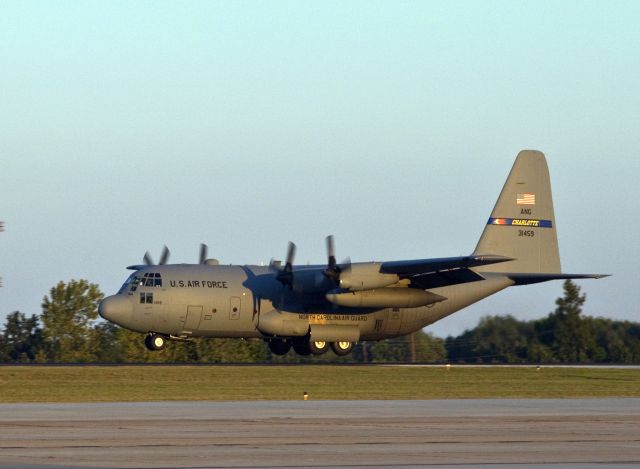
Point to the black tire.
(147, 342)
(318, 347)
(342, 348)
(279, 347)
(301, 347)
(155, 342)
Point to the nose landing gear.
(155, 341)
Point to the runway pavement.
(526, 433)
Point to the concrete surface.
(527, 433)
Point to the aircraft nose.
(117, 309)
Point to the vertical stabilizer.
(522, 225)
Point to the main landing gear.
(279, 347)
(305, 347)
(155, 341)
(318, 347)
(342, 348)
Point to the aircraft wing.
(427, 266)
(440, 272)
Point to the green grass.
(154, 383)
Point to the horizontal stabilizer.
(528, 279)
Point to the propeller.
(334, 270)
(164, 257)
(285, 274)
(203, 253)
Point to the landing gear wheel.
(342, 348)
(155, 342)
(302, 348)
(318, 347)
(279, 347)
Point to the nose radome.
(116, 309)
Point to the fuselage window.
(146, 298)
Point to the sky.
(125, 126)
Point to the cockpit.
(135, 280)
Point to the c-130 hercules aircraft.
(316, 307)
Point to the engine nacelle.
(384, 298)
(275, 323)
(366, 276)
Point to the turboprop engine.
(366, 277)
(391, 297)
(364, 286)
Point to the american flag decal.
(526, 199)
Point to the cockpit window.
(152, 279)
(135, 283)
(132, 280)
(135, 280)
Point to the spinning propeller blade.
(164, 257)
(333, 269)
(285, 275)
(147, 259)
(203, 253)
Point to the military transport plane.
(312, 308)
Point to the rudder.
(522, 224)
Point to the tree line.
(564, 336)
(68, 330)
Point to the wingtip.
(587, 276)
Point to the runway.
(525, 433)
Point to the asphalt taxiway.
(526, 433)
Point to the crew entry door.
(194, 314)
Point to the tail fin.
(522, 225)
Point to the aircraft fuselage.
(248, 301)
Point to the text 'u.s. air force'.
(198, 283)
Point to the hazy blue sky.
(392, 125)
